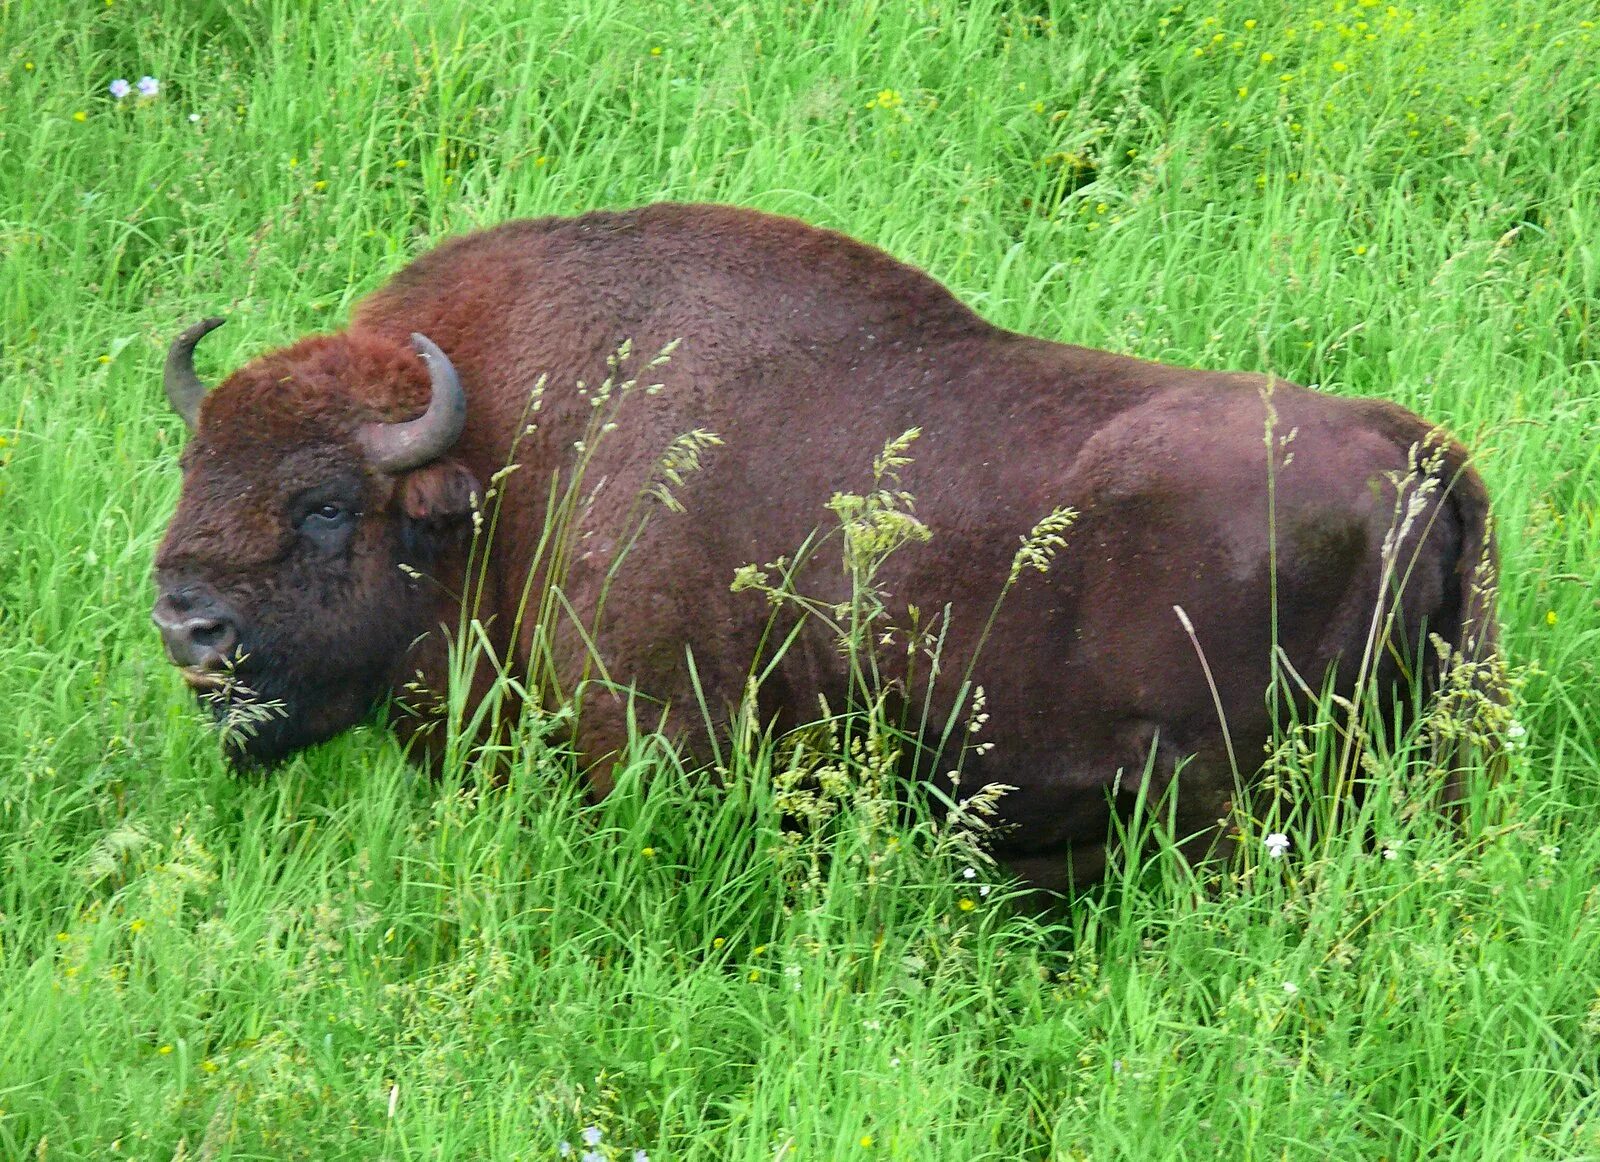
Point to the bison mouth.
(202, 681)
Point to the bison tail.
(1470, 693)
(1477, 635)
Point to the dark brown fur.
(805, 351)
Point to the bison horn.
(399, 447)
(184, 388)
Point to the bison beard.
(267, 715)
(276, 701)
(323, 476)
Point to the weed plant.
(350, 960)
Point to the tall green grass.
(349, 960)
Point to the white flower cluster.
(591, 1138)
(147, 86)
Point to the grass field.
(348, 960)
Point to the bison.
(319, 553)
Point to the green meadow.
(350, 959)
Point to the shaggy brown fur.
(805, 351)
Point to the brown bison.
(318, 552)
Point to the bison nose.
(198, 631)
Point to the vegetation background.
(347, 960)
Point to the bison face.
(297, 571)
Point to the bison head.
(291, 579)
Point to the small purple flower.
(149, 86)
(591, 1136)
(592, 1156)
(640, 1156)
(565, 1149)
(120, 88)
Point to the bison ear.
(436, 504)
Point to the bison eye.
(325, 516)
(328, 525)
